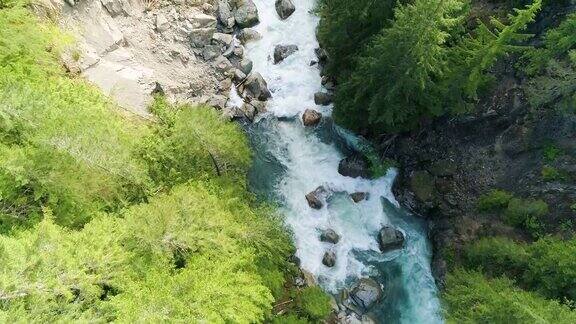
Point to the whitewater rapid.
(292, 160)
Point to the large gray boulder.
(245, 65)
(389, 238)
(247, 35)
(200, 37)
(225, 15)
(255, 87)
(354, 166)
(323, 98)
(329, 259)
(311, 117)
(314, 198)
(365, 294)
(285, 8)
(201, 20)
(281, 52)
(329, 236)
(246, 14)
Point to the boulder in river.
(314, 198)
(354, 166)
(281, 52)
(246, 14)
(365, 294)
(285, 8)
(329, 259)
(311, 117)
(358, 196)
(255, 87)
(390, 238)
(323, 98)
(247, 35)
(329, 236)
(245, 65)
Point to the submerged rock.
(281, 52)
(311, 117)
(323, 98)
(285, 8)
(365, 294)
(389, 238)
(329, 259)
(329, 236)
(354, 166)
(358, 196)
(246, 14)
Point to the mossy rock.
(422, 184)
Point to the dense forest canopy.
(108, 217)
(399, 65)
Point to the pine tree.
(395, 82)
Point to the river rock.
(202, 20)
(162, 23)
(218, 101)
(246, 14)
(247, 35)
(354, 166)
(329, 236)
(285, 8)
(329, 259)
(239, 76)
(311, 117)
(321, 54)
(253, 108)
(389, 238)
(314, 200)
(255, 87)
(281, 52)
(365, 294)
(245, 65)
(224, 14)
(224, 40)
(200, 37)
(323, 98)
(358, 196)
(210, 52)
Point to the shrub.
(314, 303)
(289, 319)
(471, 298)
(550, 173)
(494, 200)
(526, 213)
(497, 256)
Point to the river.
(291, 161)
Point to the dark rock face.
(390, 239)
(314, 198)
(311, 117)
(246, 14)
(255, 87)
(330, 236)
(323, 98)
(365, 294)
(354, 166)
(359, 196)
(281, 52)
(285, 8)
(329, 259)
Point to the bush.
(314, 303)
(526, 213)
(497, 256)
(550, 173)
(471, 298)
(494, 200)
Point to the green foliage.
(289, 319)
(552, 268)
(471, 298)
(526, 213)
(550, 173)
(395, 79)
(494, 200)
(314, 303)
(422, 66)
(347, 27)
(61, 143)
(497, 256)
(552, 152)
(193, 142)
